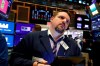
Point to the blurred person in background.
(3, 51)
(79, 42)
(36, 28)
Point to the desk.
(70, 61)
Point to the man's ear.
(51, 18)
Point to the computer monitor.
(5, 8)
(79, 25)
(9, 40)
(95, 22)
(23, 28)
(7, 27)
(94, 9)
(82, 22)
(40, 15)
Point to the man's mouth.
(63, 26)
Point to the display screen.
(5, 8)
(17, 38)
(24, 28)
(82, 22)
(93, 9)
(79, 25)
(40, 15)
(96, 22)
(86, 26)
(7, 27)
(9, 40)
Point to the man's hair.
(37, 27)
(56, 12)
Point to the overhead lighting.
(70, 0)
(84, 2)
(87, 3)
(80, 1)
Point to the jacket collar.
(44, 38)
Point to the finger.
(43, 64)
(47, 65)
(43, 61)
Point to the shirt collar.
(49, 33)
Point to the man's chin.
(60, 31)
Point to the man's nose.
(64, 20)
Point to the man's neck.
(55, 34)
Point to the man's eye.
(67, 21)
(61, 17)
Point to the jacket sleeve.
(22, 54)
(3, 51)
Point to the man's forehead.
(63, 14)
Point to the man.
(37, 48)
(36, 28)
(79, 42)
(3, 51)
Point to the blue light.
(7, 27)
(9, 40)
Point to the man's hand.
(42, 62)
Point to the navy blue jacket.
(3, 51)
(37, 44)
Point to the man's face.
(60, 22)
